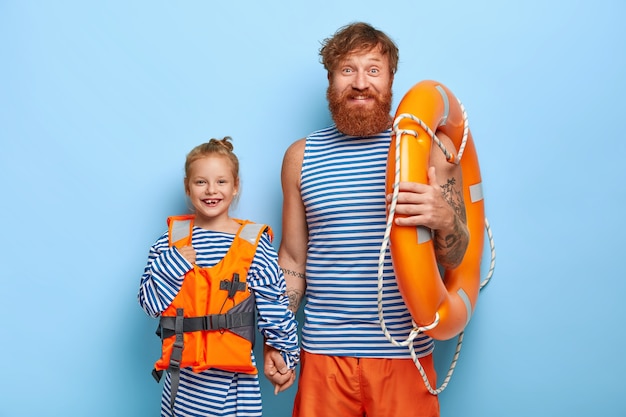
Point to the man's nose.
(360, 81)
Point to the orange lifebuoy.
(428, 297)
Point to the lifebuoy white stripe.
(476, 192)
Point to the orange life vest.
(211, 321)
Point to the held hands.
(276, 370)
(423, 205)
(189, 253)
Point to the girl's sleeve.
(276, 322)
(162, 277)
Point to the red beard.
(358, 121)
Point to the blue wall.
(101, 101)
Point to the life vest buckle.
(215, 322)
(174, 364)
(233, 286)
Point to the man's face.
(359, 93)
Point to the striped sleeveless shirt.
(343, 190)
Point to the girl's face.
(211, 187)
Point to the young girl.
(203, 279)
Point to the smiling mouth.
(210, 202)
(360, 98)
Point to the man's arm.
(295, 234)
(291, 258)
(452, 240)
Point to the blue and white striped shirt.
(214, 392)
(343, 190)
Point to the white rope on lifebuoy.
(492, 264)
(385, 244)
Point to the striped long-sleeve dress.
(214, 392)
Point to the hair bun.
(225, 143)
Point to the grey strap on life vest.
(175, 357)
(228, 321)
(240, 320)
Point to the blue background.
(101, 101)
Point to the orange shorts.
(364, 387)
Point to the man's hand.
(423, 205)
(276, 370)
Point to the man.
(334, 216)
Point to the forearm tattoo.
(451, 246)
(294, 295)
(292, 273)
